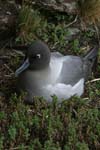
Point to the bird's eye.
(37, 56)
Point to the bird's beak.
(23, 67)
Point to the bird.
(45, 74)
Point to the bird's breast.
(45, 76)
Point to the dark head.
(37, 57)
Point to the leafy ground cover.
(72, 125)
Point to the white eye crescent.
(38, 55)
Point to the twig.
(72, 22)
(4, 57)
(19, 52)
(15, 148)
(94, 80)
(86, 98)
(9, 76)
(8, 68)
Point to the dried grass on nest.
(90, 11)
(7, 78)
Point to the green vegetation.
(72, 125)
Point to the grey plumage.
(45, 74)
(89, 61)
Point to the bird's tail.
(92, 54)
(90, 61)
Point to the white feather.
(63, 91)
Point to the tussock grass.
(90, 11)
